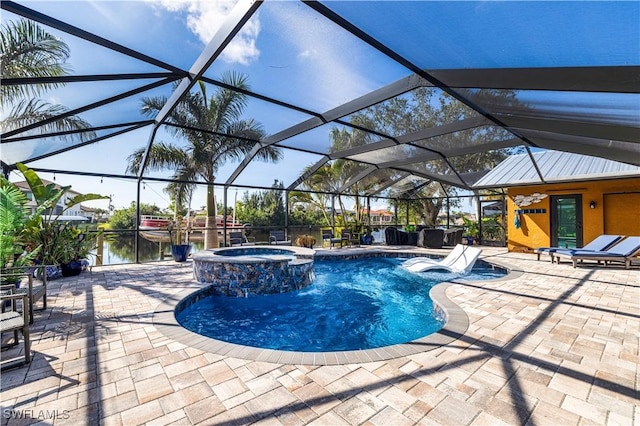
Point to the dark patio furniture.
(33, 290)
(13, 320)
(237, 238)
(349, 238)
(453, 237)
(278, 238)
(431, 238)
(396, 237)
(329, 238)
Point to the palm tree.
(215, 133)
(327, 180)
(27, 50)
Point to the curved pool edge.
(457, 324)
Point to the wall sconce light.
(592, 204)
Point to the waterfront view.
(119, 247)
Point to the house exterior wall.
(60, 206)
(617, 211)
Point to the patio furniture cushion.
(34, 291)
(602, 242)
(329, 238)
(397, 237)
(431, 238)
(10, 321)
(17, 322)
(623, 252)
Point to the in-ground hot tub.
(254, 270)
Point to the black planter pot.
(71, 269)
(180, 252)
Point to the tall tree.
(423, 108)
(326, 180)
(263, 208)
(27, 50)
(215, 133)
(180, 196)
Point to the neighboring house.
(578, 198)
(94, 215)
(77, 210)
(456, 219)
(380, 217)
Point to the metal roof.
(554, 167)
(524, 76)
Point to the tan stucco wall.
(617, 211)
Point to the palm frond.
(33, 111)
(27, 50)
(161, 156)
(13, 207)
(13, 218)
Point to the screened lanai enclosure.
(341, 105)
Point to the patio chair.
(278, 238)
(398, 237)
(238, 238)
(34, 291)
(15, 321)
(460, 260)
(624, 251)
(457, 236)
(329, 238)
(431, 238)
(602, 242)
(235, 238)
(349, 238)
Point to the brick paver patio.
(551, 345)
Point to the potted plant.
(73, 246)
(367, 237)
(42, 228)
(471, 230)
(356, 227)
(179, 250)
(15, 254)
(305, 241)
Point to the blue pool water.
(354, 304)
(254, 251)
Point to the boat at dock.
(149, 222)
(156, 228)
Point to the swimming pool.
(352, 305)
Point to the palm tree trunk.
(343, 211)
(211, 232)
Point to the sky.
(266, 54)
(292, 54)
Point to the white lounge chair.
(460, 260)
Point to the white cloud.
(204, 18)
(308, 53)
